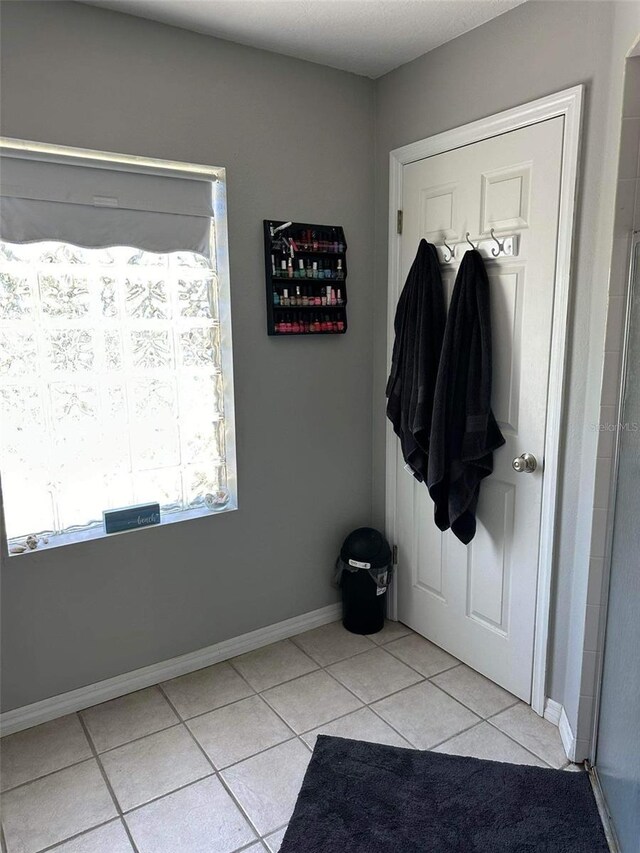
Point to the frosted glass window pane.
(111, 388)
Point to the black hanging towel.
(464, 432)
(419, 330)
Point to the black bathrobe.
(419, 330)
(464, 432)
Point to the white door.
(478, 601)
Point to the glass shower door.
(618, 740)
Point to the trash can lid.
(367, 547)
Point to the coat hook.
(451, 252)
(500, 245)
(469, 241)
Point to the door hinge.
(399, 222)
(394, 555)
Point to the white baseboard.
(568, 738)
(555, 713)
(93, 694)
(552, 711)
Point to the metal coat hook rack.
(492, 247)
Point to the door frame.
(568, 104)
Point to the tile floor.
(212, 762)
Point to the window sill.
(97, 531)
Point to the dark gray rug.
(367, 798)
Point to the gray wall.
(297, 141)
(533, 50)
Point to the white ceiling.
(368, 37)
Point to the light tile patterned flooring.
(212, 762)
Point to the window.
(115, 343)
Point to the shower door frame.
(634, 261)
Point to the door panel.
(478, 601)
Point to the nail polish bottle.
(341, 246)
(314, 238)
(298, 296)
(273, 265)
(339, 270)
(276, 297)
(289, 268)
(305, 297)
(289, 324)
(301, 270)
(328, 270)
(285, 298)
(283, 268)
(334, 237)
(309, 269)
(323, 297)
(315, 270)
(341, 325)
(339, 297)
(295, 326)
(333, 297)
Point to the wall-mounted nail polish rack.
(306, 272)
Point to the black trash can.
(363, 573)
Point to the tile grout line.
(429, 677)
(315, 668)
(294, 734)
(369, 706)
(88, 758)
(464, 704)
(422, 680)
(53, 847)
(516, 741)
(140, 737)
(45, 775)
(103, 772)
(216, 772)
(157, 799)
(324, 665)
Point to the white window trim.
(217, 175)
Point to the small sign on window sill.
(131, 517)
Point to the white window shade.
(97, 207)
(116, 377)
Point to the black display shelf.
(305, 273)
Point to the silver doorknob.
(525, 464)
